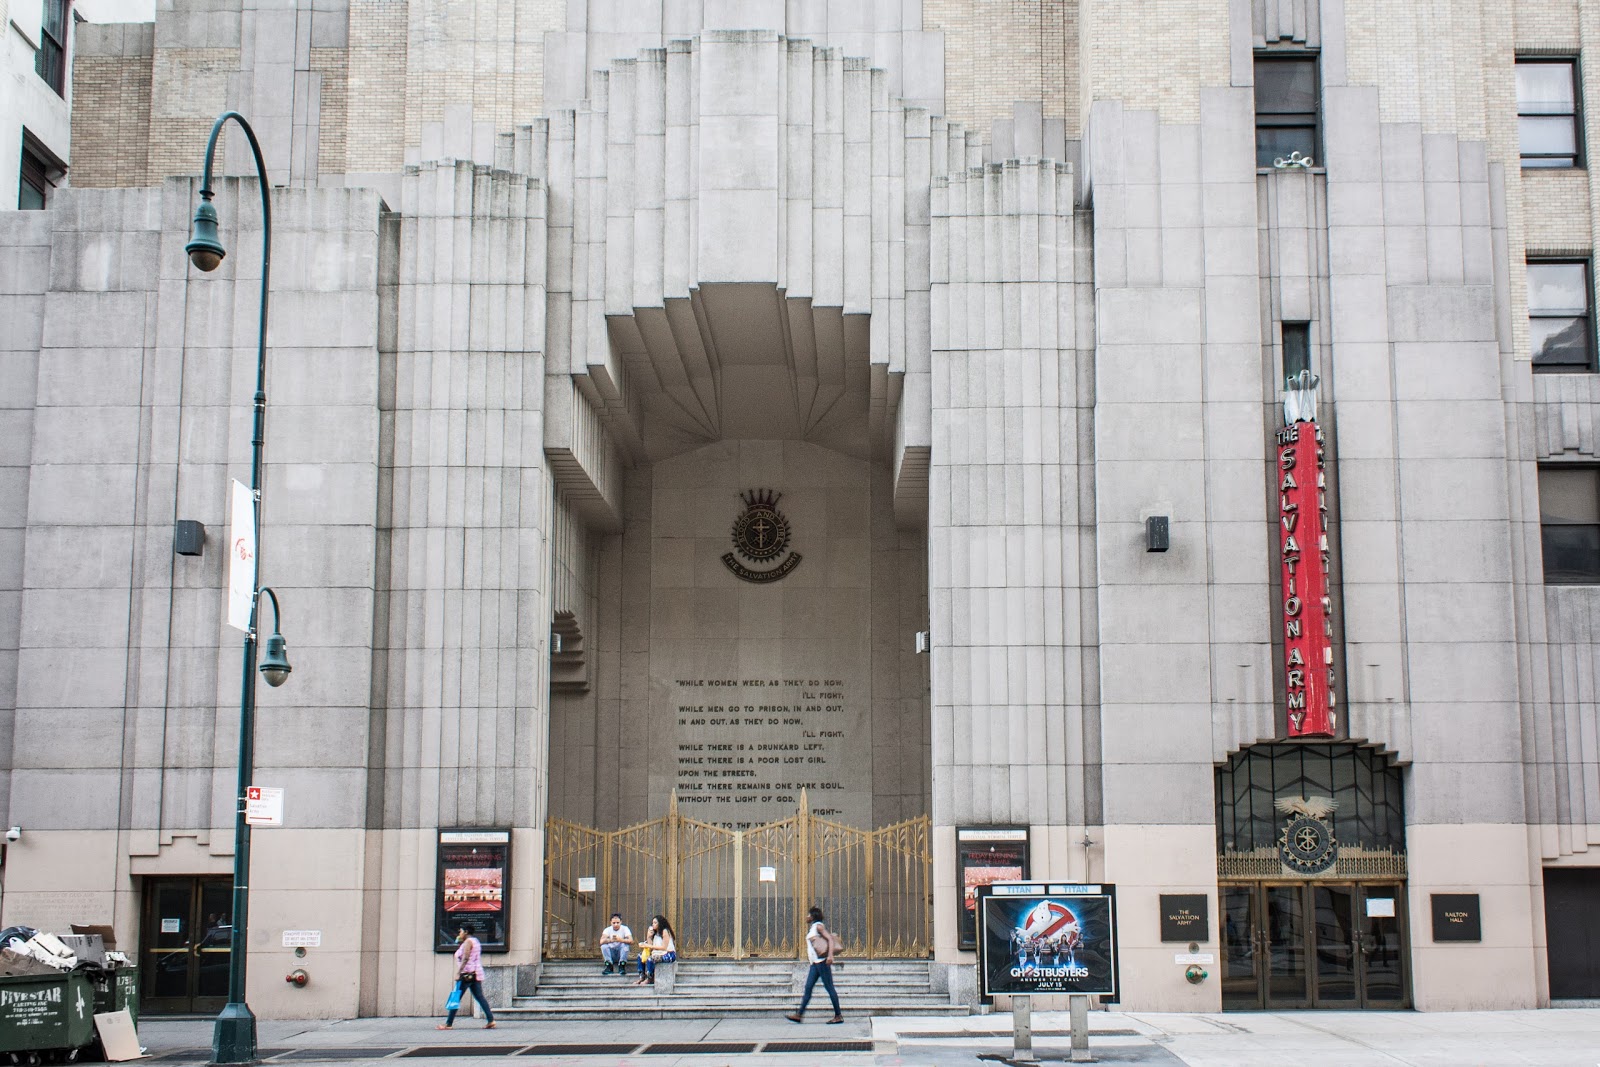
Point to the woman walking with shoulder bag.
(469, 979)
(821, 946)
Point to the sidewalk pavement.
(1549, 1038)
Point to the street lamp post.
(234, 1039)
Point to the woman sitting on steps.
(662, 946)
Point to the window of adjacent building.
(51, 59)
(35, 180)
(1559, 330)
(1569, 524)
(1286, 107)
(1547, 112)
(1296, 348)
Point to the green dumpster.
(46, 1011)
(118, 989)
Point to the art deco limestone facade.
(552, 283)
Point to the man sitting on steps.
(614, 942)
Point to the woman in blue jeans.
(469, 976)
(663, 948)
(820, 948)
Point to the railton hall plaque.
(1457, 917)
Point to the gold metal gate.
(738, 893)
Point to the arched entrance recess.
(1311, 868)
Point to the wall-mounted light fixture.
(1157, 533)
(924, 642)
(189, 537)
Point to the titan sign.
(1040, 937)
(1307, 611)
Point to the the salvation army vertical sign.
(1048, 937)
(1307, 609)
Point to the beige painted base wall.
(1143, 862)
(376, 956)
(405, 976)
(1507, 968)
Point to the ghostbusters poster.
(1044, 937)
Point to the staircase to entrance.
(718, 989)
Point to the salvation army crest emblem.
(761, 536)
(1307, 845)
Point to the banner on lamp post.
(241, 557)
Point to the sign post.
(1080, 1028)
(1022, 1030)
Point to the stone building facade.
(961, 294)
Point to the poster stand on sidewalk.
(1047, 937)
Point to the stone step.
(723, 988)
(704, 990)
(669, 1008)
(877, 992)
(692, 973)
(717, 967)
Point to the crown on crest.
(760, 498)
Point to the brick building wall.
(111, 67)
(998, 52)
(375, 130)
(1137, 53)
(334, 66)
(492, 59)
(189, 89)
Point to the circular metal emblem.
(761, 533)
(1307, 845)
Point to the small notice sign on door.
(263, 805)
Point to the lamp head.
(275, 662)
(204, 247)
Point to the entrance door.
(1572, 931)
(185, 942)
(1312, 945)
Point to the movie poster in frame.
(1048, 938)
(985, 854)
(473, 888)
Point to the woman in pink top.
(469, 977)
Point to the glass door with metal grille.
(1313, 945)
(185, 942)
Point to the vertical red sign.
(1307, 611)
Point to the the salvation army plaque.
(1185, 917)
(1048, 937)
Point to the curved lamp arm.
(275, 657)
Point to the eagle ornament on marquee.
(1303, 540)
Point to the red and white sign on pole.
(1307, 609)
(263, 805)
